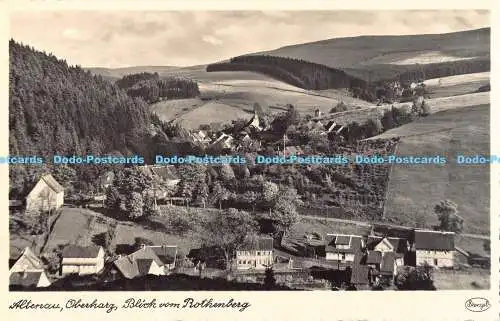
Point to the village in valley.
(248, 226)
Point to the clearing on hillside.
(414, 189)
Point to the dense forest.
(152, 89)
(59, 109)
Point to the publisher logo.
(477, 304)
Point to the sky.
(185, 38)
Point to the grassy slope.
(417, 188)
(357, 54)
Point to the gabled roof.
(165, 253)
(52, 183)
(387, 265)
(76, 251)
(25, 279)
(374, 257)
(333, 241)
(434, 240)
(33, 261)
(137, 263)
(261, 244)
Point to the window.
(343, 256)
(258, 253)
(436, 262)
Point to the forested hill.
(55, 108)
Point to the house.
(255, 122)
(29, 279)
(166, 253)
(396, 245)
(200, 136)
(435, 248)
(342, 248)
(142, 262)
(27, 261)
(317, 112)
(47, 195)
(224, 141)
(166, 174)
(255, 255)
(82, 260)
(333, 127)
(462, 257)
(106, 179)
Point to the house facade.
(82, 260)
(167, 255)
(342, 248)
(257, 256)
(46, 195)
(435, 248)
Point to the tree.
(284, 212)
(228, 230)
(373, 127)
(449, 220)
(219, 194)
(269, 279)
(269, 191)
(419, 278)
(134, 206)
(227, 173)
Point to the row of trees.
(154, 90)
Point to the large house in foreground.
(258, 255)
(140, 263)
(82, 260)
(342, 248)
(436, 248)
(28, 271)
(46, 195)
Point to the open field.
(223, 101)
(415, 189)
(474, 279)
(457, 85)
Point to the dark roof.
(25, 279)
(332, 242)
(387, 265)
(261, 244)
(143, 266)
(399, 244)
(52, 183)
(434, 240)
(165, 253)
(374, 257)
(75, 251)
(360, 273)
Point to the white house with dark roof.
(342, 248)
(82, 260)
(46, 195)
(255, 255)
(435, 248)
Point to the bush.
(339, 108)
